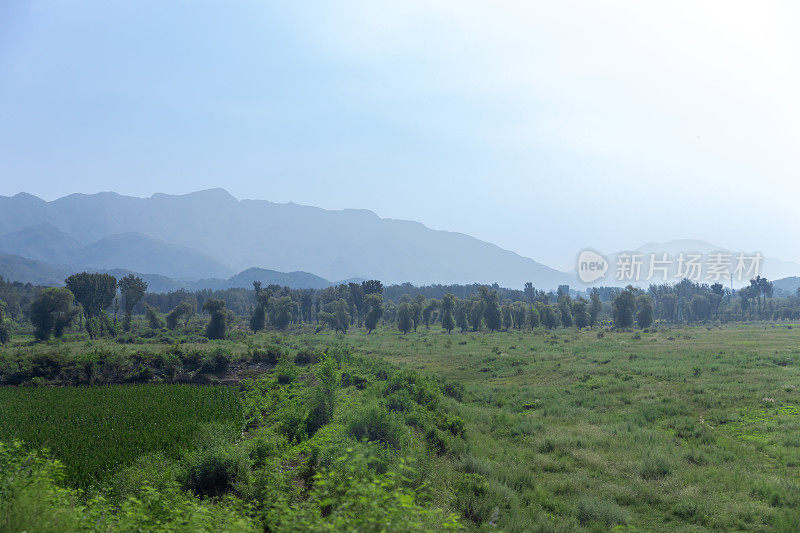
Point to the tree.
(405, 317)
(533, 317)
(217, 327)
(416, 308)
(372, 286)
(52, 312)
(700, 307)
(476, 314)
(518, 312)
(644, 317)
(462, 315)
(669, 305)
(448, 306)
(93, 291)
(374, 304)
(429, 312)
(580, 312)
(492, 313)
(306, 304)
(595, 307)
(132, 289)
(153, 319)
(624, 308)
(258, 320)
(281, 312)
(565, 308)
(336, 314)
(357, 297)
(5, 330)
(184, 310)
(549, 318)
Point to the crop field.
(95, 431)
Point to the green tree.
(217, 327)
(476, 314)
(595, 307)
(93, 291)
(492, 313)
(429, 312)
(5, 329)
(153, 318)
(52, 312)
(462, 315)
(644, 315)
(405, 316)
(336, 314)
(374, 305)
(357, 297)
(184, 310)
(448, 306)
(580, 312)
(549, 318)
(518, 312)
(700, 307)
(258, 320)
(624, 308)
(281, 312)
(534, 320)
(132, 289)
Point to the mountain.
(283, 237)
(132, 251)
(26, 270)
(16, 268)
(786, 286)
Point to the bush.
(374, 423)
(216, 362)
(214, 471)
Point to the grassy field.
(95, 431)
(675, 429)
(668, 429)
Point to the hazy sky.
(542, 127)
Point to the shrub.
(374, 423)
(214, 471)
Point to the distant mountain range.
(25, 270)
(200, 240)
(211, 234)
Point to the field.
(679, 428)
(667, 429)
(96, 431)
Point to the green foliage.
(405, 317)
(374, 304)
(184, 310)
(624, 308)
(372, 422)
(52, 312)
(132, 289)
(281, 311)
(153, 319)
(217, 327)
(93, 291)
(336, 315)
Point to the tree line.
(102, 305)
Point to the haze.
(543, 129)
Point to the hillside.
(283, 237)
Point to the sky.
(543, 127)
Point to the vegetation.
(557, 412)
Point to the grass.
(96, 431)
(675, 428)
